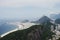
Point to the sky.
(10, 9)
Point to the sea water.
(6, 28)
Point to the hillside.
(36, 32)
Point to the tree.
(47, 33)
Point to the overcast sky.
(28, 8)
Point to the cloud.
(28, 8)
(22, 3)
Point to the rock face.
(36, 32)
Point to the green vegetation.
(36, 32)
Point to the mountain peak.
(44, 19)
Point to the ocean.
(6, 28)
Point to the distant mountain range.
(42, 20)
(55, 16)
